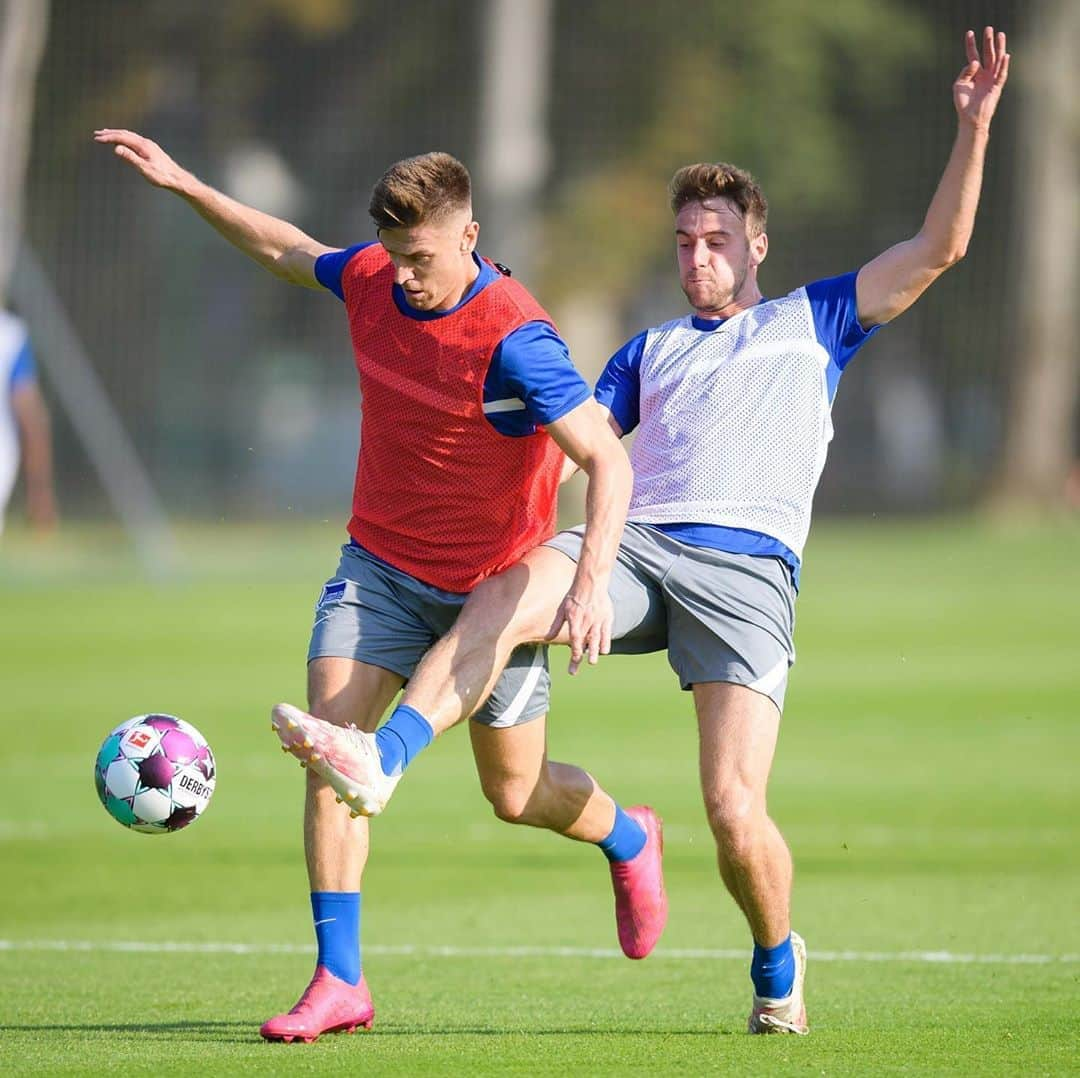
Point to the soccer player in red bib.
(470, 408)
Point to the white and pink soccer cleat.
(641, 905)
(347, 758)
(328, 1005)
(786, 1015)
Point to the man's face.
(433, 262)
(717, 260)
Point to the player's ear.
(759, 248)
(468, 237)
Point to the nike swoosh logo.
(325, 921)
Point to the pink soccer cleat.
(641, 905)
(328, 1005)
(347, 758)
(786, 1015)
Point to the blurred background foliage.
(239, 393)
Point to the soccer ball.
(154, 773)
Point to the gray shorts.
(373, 613)
(721, 617)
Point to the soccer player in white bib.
(24, 427)
(732, 406)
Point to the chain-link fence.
(239, 392)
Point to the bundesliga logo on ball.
(154, 773)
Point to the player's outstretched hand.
(145, 156)
(588, 622)
(978, 87)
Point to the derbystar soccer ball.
(154, 773)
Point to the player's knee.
(339, 710)
(510, 801)
(326, 704)
(497, 608)
(734, 818)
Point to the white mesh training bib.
(734, 422)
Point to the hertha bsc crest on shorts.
(332, 591)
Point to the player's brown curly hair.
(420, 189)
(695, 183)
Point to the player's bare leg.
(515, 607)
(344, 693)
(737, 730)
(341, 692)
(525, 787)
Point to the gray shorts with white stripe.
(373, 613)
(721, 617)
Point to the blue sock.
(773, 970)
(627, 838)
(401, 737)
(337, 928)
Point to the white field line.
(700, 954)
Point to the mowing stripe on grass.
(221, 947)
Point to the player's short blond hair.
(419, 190)
(696, 183)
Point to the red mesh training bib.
(439, 493)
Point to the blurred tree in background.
(782, 96)
(1040, 454)
(23, 28)
(239, 392)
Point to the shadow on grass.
(248, 1031)
(131, 1027)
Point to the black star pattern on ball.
(155, 772)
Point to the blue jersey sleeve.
(330, 266)
(24, 370)
(619, 386)
(836, 320)
(531, 381)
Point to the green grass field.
(926, 781)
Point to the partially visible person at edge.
(469, 403)
(25, 431)
(732, 403)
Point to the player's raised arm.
(894, 280)
(585, 437)
(280, 247)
